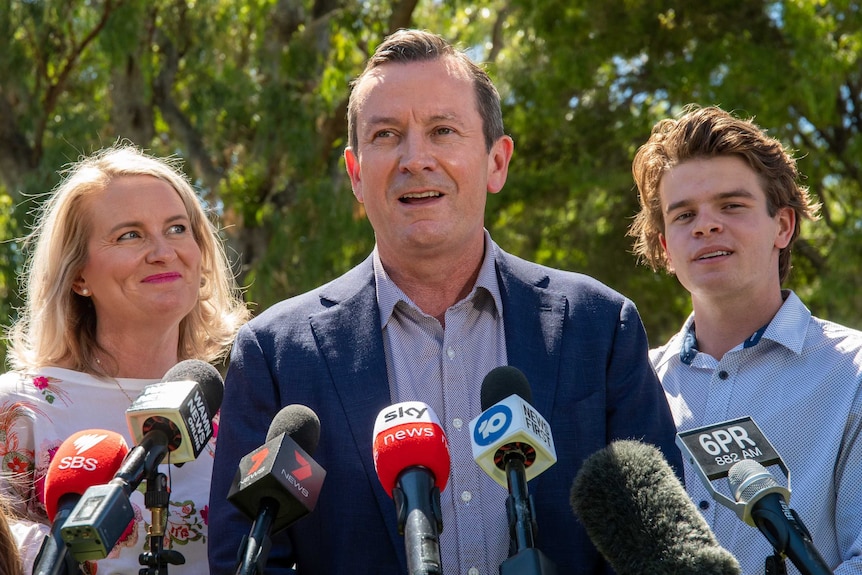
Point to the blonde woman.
(127, 277)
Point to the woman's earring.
(85, 292)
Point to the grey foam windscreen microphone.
(639, 517)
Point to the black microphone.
(173, 416)
(640, 518)
(512, 442)
(277, 483)
(766, 508)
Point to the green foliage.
(587, 80)
(252, 95)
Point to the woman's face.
(143, 263)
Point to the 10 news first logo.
(714, 449)
(282, 470)
(512, 424)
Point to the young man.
(720, 209)
(425, 317)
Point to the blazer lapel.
(350, 340)
(534, 318)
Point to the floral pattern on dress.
(184, 525)
(211, 444)
(45, 454)
(14, 458)
(49, 388)
(18, 461)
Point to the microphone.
(173, 416)
(713, 450)
(182, 407)
(512, 443)
(277, 483)
(85, 458)
(640, 517)
(766, 508)
(509, 427)
(411, 457)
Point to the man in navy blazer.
(418, 164)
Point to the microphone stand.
(255, 547)
(775, 565)
(156, 499)
(53, 557)
(524, 557)
(421, 521)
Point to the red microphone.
(86, 458)
(411, 457)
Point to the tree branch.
(55, 89)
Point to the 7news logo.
(257, 459)
(304, 470)
(299, 474)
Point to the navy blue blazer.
(581, 345)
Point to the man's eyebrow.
(441, 117)
(739, 193)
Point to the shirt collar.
(389, 294)
(788, 328)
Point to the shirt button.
(466, 496)
(722, 374)
(451, 353)
(457, 423)
(473, 571)
(704, 504)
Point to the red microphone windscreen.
(408, 434)
(86, 458)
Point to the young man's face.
(719, 237)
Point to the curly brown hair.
(707, 133)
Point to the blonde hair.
(10, 557)
(58, 326)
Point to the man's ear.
(351, 162)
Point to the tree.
(587, 80)
(252, 95)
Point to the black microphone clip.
(417, 480)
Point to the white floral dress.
(39, 410)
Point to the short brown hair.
(707, 133)
(418, 46)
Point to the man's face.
(422, 170)
(719, 237)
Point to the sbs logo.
(491, 426)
